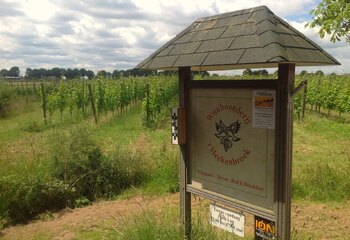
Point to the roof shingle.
(252, 37)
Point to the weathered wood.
(267, 84)
(284, 140)
(304, 101)
(92, 101)
(43, 93)
(147, 105)
(185, 197)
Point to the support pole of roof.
(284, 141)
(185, 197)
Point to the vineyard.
(102, 96)
(98, 97)
(332, 93)
(59, 163)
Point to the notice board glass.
(231, 143)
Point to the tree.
(82, 72)
(4, 72)
(75, 73)
(102, 73)
(319, 73)
(28, 72)
(55, 72)
(90, 74)
(247, 72)
(14, 72)
(43, 72)
(333, 16)
(69, 73)
(116, 74)
(303, 73)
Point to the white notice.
(227, 220)
(264, 105)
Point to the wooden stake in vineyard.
(44, 102)
(92, 101)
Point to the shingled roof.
(247, 38)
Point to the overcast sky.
(118, 34)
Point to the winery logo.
(226, 134)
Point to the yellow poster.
(228, 155)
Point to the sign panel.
(227, 220)
(228, 154)
(264, 229)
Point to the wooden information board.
(232, 144)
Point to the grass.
(127, 148)
(321, 167)
(157, 223)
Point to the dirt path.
(85, 218)
(318, 221)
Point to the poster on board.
(264, 109)
(228, 154)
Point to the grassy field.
(321, 168)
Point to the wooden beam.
(185, 197)
(284, 141)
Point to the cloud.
(109, 34)
(10, 9)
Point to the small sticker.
(264, 229)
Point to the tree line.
(69, 73)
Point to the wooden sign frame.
(281, 212)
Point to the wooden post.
(284, 141)
(147, 106)
(304, 101)
(91, 96)
(185, 197)
(83, 107)
(43, 93)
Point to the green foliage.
(159, 93)
(6, 95)
(78, 161)
(108, 95)
(24, 197)
(298, 104)
(164, 177)
(333, 18)
(330, 92)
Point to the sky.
(118, 34)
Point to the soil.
(309, 220)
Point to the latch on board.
(178, 126)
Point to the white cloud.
(40, 10)
(339, 50)
(105, 34)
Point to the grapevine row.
(329, 92)
(101, 94)
(159, 93)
